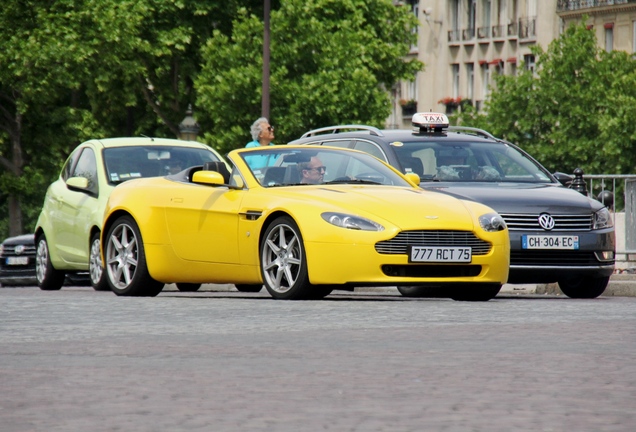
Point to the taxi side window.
(87, 167)
(371, 148)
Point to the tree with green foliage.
(80, 69)
(577, 110)
(332, 62)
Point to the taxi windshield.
(469, 162)
(285, 166)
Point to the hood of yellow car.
(404, 207)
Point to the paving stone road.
(218, 360)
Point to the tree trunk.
(15, 216)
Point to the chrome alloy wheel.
(282, 258)
(95, 262)
(122, 256)
(41, 260)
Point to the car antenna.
(146, 136)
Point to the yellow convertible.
(303, 221)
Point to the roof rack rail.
(474, 131)
(341, 128)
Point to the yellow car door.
(202, 223)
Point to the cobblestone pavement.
(219, 360)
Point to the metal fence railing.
(622, 200)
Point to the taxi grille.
(399, 245)
(564, 223)
(553, 258)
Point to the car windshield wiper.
(354, 181)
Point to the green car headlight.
(348, 221)
(492, 222)
(603, 219)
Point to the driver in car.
(312, 172)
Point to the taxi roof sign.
(429, 121)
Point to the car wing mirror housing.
(413, 178)
(211, 178)
(77, 183)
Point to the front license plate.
(17, 260)
(440, 254)
(549, 242)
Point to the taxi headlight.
(492, 222)
(348, 221)
(603, 219)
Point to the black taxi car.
(556, 233)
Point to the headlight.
(343, 220)
(492, 222)
(603, 219)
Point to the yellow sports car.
(303, 221)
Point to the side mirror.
(413, 178)
(77, 184)
(563, 178)
(211, 178)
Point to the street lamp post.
(189, 128)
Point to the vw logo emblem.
(19, 249)
(546, 221)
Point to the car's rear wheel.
(248, 288)
(474, 292)
(284, 264)
(126, 266)
(582, 287)
(95, 266)
(188, 287)
(49, 279)
(424, 291)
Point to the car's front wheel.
(95, 266)
(126, 266)
(49, 279)
(474, 292)
(582, 287)
(284, 264)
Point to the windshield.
(469, 162)
(125, 163)
(284, 166)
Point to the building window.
(528, 60)
(470, 80)
(485, 80)
(455, 74)
(609, 37)
(415, 8)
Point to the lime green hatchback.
(67, 233)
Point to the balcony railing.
(570, 5)
(527, 28)
(454, 35)
(468, 34)
(483, 32)
(497, 31)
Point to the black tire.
(49, 279)
(188, 287)
(96, 271)
(424, 291)
(248, 288)
(474, 292)
(283, 262)
(126, 268)
(584, 288)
